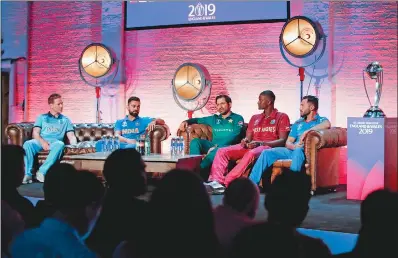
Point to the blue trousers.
(99, 145)
(32, 147)
(269, 156)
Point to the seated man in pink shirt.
(267, 130)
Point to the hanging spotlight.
(300, 37)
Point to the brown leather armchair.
(18, 133)
(321, 150)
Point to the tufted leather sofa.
(322, 152)
(85, 133)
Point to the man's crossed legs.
(268, 157)
(219, 177)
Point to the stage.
(328, 212)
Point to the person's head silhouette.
(124, 172)
(288, 198)
(12, 167)
(182, 216)
(378, 236)
(242, 195)
(75, 196)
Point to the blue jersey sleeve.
(69, 126)
(118, 125)
(39, 122)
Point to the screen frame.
(205, 23)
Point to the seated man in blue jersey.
(294, 148)
(48, 134)
(130, 128)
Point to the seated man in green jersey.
(226, 128)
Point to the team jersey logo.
(299, 126)
(124, 124)
(272, 121)
(52, 129)
(128, 131)
(230, 120)
(137, 123)
(270, 129)
(240, 123)
(218, 121)
(256, 122)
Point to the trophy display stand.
(371, 156)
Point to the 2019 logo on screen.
(202, 12)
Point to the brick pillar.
(113, 95)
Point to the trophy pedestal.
(374, 112)
(371, 156)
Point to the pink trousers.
(219, 169)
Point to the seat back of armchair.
(93, 131)
(18, 133)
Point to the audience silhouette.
(180, 222)
(378, 236)
(123, 214)
(240, 204)
(76, 211)
(287, 205)
(12, 173)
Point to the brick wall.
(364, 32)
(58, 34)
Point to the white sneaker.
(209, 183)
(217, 185)
(219, 190)
(27, 180)
(40, 177)
(213, 184)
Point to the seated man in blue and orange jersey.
(130, 128)
(294, 148)
(48, 134)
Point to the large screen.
(151, 14)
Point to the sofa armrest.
(18, 133)
(318, 139)
(328, 138)
(201, 131)
(159, 134)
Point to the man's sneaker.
(214, 187)
(219, 190)
(27, 180)
(213, 183)
(40, 177)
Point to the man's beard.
(224, 112)
(134, 114)
(304, 115)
